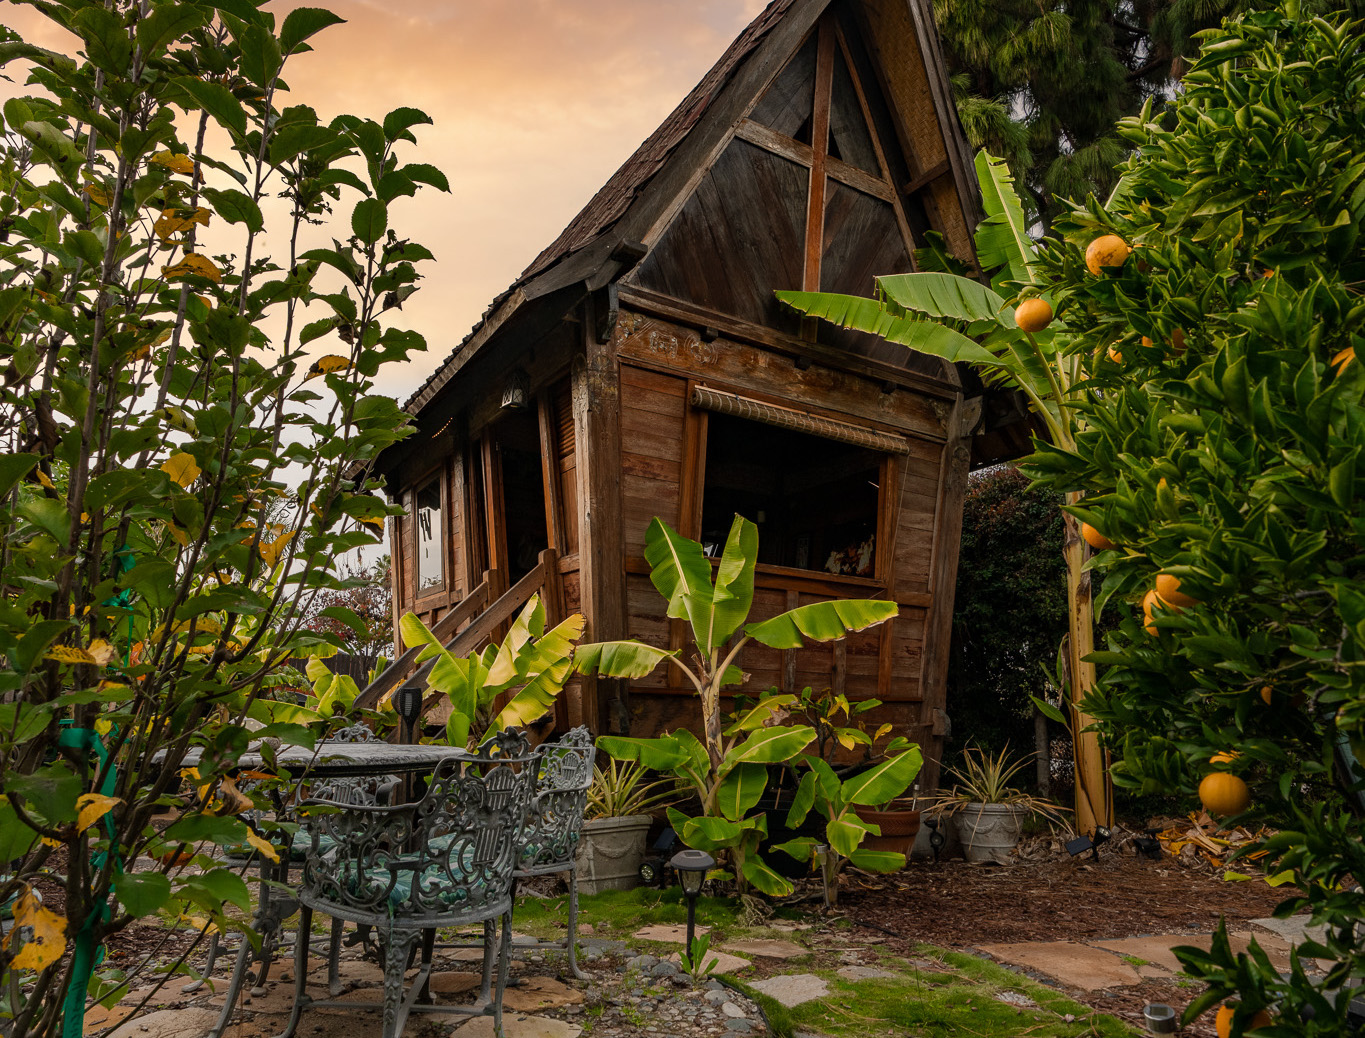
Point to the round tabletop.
(343, 759)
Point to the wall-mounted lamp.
(692, 867)
(516, 394)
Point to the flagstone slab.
(725, 963)
(1293, 930)
(857, 973)
(668, 934)
(791, 989)
(168, 1023)
(1078, 965)
(518, 1025)
(536, 993)
(767, 949)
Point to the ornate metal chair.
(404, 871)
(555, 823)
(275, 901)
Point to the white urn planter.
(610, 851)
(989, 832)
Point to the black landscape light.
(1089, 843)
(936, 838)
(692, 867)
(408, 702)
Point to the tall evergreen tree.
(1044, 82)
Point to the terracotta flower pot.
(899, 829)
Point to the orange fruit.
(1150, 599)
(1224, 794)
(1267, 692)
(1168, 587)
(1178, 340)
(1222, 1023)
(1094, 538)
(1033, 315)
(1108, 250)
(1115, 355)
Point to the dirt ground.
(960, 905)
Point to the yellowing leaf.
(91, 807)
(173, 162)
(198, 922)
(1343, 358)
(231, 800)
(271, 552)
(1280, 878)
(182, 468)
(44, 479)
(101, 650)
(70, 654)
(326, 365)
(193, 265)
(177, 220)
(48, 841)
(178, 535)
(263, 845)
(97, 193)
(48, 942)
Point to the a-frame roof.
(589, 253)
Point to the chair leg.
(490, 958)
(234, 988)
(428, 947)
(573, 925)
(196, 985)
(399, 950)
(301, 948)
(334, 959)
(504, 967)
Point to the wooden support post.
(938, 623)
(596, 389)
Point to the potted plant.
(990, 812)
(617, 820)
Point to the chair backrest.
(446, 858)
(555, 820)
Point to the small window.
(430, 560)
(814, 500)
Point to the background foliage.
(1009, 614)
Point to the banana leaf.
(943, 295)
(1002, 239)
(768, 746)
(871, 315)
(626, 659)
(820, 621)
(763, 879)
(681, 572)
(741, 789)
(884, 781)
(877, 861)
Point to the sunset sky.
(535, 102)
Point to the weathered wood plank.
(550, 473)
(815, 211)
(596, 394)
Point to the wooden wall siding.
(675, 349)
(652, 416)
(891, 35)
(737, 239)
(457, 583)
(561, 404)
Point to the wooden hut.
(641, 366)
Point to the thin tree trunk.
(1042, 753)
(1094, 791)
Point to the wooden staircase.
(476, 620)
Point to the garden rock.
(856, 973)
(767, 949)
(663, 969)
(537, 993)
(515, 1025)
(642, 962)
(168, 1023)
(676, 934)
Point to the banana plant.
(958, 319)
(728, 766)
(532, 660)
(838, 802)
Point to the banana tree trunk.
(1094, 791)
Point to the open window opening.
(814, 500)
(430, 538)
(517, 436)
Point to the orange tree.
(1220, 452)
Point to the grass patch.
(619, 913)
(960, 1000)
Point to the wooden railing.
(484, 620)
